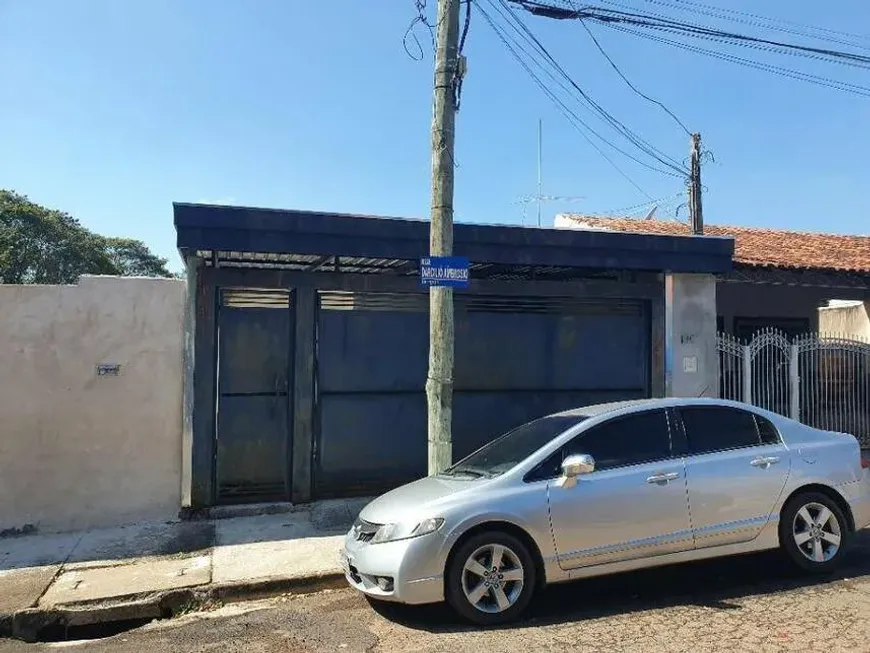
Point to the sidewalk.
(156, 570)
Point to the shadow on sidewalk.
(717, 584)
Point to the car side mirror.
(574, 466)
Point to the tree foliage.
(40, 245)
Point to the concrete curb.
(28, 624)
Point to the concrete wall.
(852, 321)
(691, 359)
(78, 449)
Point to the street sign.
(448, 271)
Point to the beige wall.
(78, 450)
(850, 320)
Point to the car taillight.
(865, 462)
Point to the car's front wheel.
(491, 578)
(813, 531)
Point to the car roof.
(596, 410)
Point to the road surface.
(743, 604)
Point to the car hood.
(417, 500)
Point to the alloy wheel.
(492, 578)
(817, 532)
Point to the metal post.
(747, 374)
(439, 384)
(794, 384)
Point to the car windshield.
(506, 451)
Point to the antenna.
(540, 186)
(540, 198)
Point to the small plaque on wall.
(108, 369)
(690, 364)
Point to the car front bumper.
(411, 571)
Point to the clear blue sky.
(113, 109)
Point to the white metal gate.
(823, 381)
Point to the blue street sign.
(449, 271)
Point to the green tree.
(40, 245)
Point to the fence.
(821, 380)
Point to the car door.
(632, 506)
(736, 469)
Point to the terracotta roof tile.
(758, 247)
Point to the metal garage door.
(516, 359)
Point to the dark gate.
(516, 358)
(253, 415)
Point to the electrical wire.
(631, 136)
(828, 82)
(573, 119)
(767, 22)
(421, 19)
(518, 25)
(458, 77)
(658, 21)
(664, 23)
(639, 208)
(758, 23)
(630, 85)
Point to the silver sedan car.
(607, 489)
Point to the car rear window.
(719, 428)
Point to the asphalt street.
(753, 603)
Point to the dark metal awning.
(312, 241)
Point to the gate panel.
(521, 358)
(515, 360)
(823, 381)
(770, 360)
(372, 359)
(834, 390)
(253, 425)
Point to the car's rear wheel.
(813, 531)
(491, 578)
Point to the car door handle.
(764, 461)
(660, 479)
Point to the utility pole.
(439, 384)
(696, 212)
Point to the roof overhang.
(271, 238)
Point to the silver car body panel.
(613, 520)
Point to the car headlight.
(404, 531)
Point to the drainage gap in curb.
(60, 633)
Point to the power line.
(618, 126)
(569, 91)
(633, 23)
(630, 85)
(572, 117)
(757, 20)
(765, 67)
(533, 57)
(695, 30)
(419, 19)
(658, 21)
(634, 138)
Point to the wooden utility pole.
(439, 384)
(696, 212)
